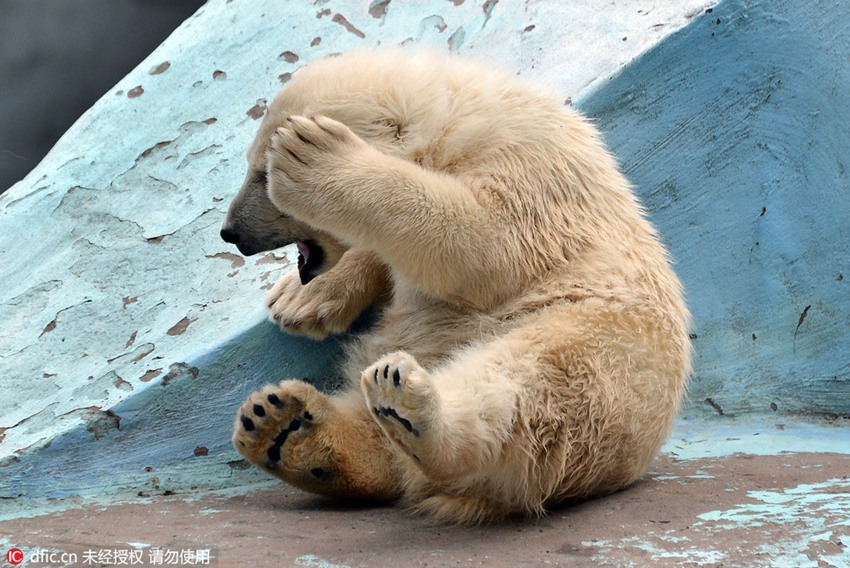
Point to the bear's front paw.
(304, 150)
(400, 394)
(316, 309)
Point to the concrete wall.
(736, 133)
(130, 332)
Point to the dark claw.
(294, 156)
(259, 410)
(376, 376)
(396, 378)
(247, 424)
(386, 371)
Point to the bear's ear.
(395, 128)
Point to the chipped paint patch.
(801, 524)
(313, 561)
(179, 327)
(236, 261)
(258, 110)
(161, 68)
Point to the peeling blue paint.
(734, 131)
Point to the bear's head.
(255, 225)
(405, 104)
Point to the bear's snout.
(229, 236)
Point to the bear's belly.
(431, 330)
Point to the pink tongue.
(304, 251)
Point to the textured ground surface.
(739, 510)
(724, 492)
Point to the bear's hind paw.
(273, 421)
(400, 396)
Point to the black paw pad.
(284, 434)
(247, 424)
(259, 410)
(321, 474)
(273, 452)
(275, 401)
(392, 413)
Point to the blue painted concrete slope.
(736, 131)
(129, 332)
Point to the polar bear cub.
(532, 345)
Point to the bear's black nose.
(230, 236)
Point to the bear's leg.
(572, 404)
(320, 444)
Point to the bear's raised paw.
(303, 150)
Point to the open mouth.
(310, 260)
